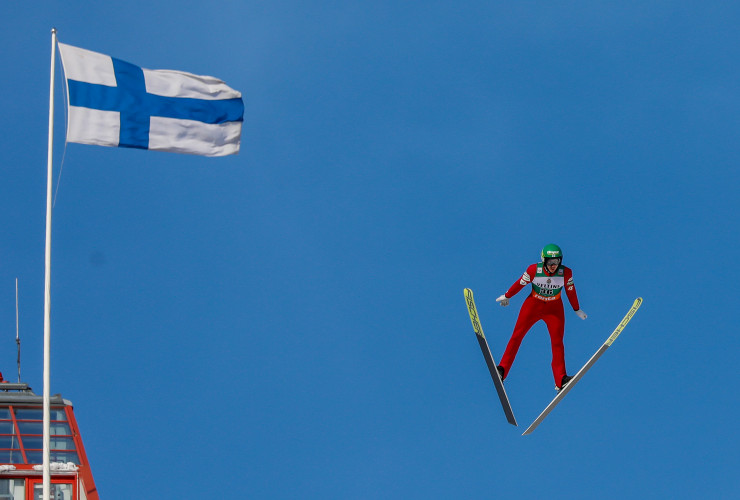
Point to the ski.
(586, 367)
(489, 357)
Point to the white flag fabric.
(115, 103)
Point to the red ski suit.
(544, 303)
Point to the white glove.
(503, 300)
(581, 314)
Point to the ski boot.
(564, 382)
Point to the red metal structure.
(21, 448)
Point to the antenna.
(17, 336)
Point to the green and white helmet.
(552, 251)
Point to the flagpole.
(47, 278)
(17, 331)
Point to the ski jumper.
(544, 303)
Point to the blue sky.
(290, 323)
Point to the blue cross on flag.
(114, 103)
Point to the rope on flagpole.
(64, 150)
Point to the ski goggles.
(552, 262)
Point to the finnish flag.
(115, 103)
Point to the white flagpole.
(17, 331)
(47, 279)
